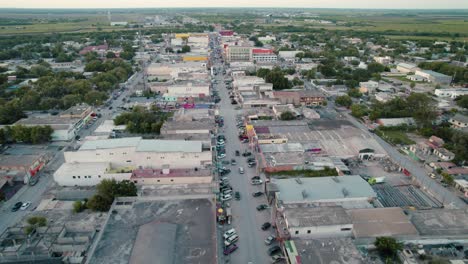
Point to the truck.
(376, 180)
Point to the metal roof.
(299, 190)
(169, 146)
(111, 143)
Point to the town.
(233, 136)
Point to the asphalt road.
(246, 219)
(34, 193)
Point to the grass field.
(395, 137)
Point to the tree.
(11, 112)
(358, 110)
(448, 179)
(262, 72)
(34, 222)
(287, 115)
(185, 49)
(462, 101)
(422, 108)
(344, 100)
(354, 92)
(99, 203)
(95, 98)
(412, 85)
(107, 190)
(79, 206)
(388, 247)
(70, 100)
(110, 55)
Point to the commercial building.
(368, 87)
(314, 222)
(147, 153)
(347, 191)
(171, 176)
(20, 168)
(376, 222)
(299, 98)
(406, 67)
(288, 55)
(239, 53)
(65, 125)
(451, 93)
(383, 60)
(263, 55)
(434, 77)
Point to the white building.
(119, 23)
(264, 55)
(189, 89)
(368, 87)
(451, 93)
(87, 173)
(288, 55)
(383, 60)
(435, 77)
(147, 153)
(406, 67)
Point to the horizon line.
(230, 7)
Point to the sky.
(372, 4)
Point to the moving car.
(256, 182)
(265, 226)
(237, 196)
(257, 194)
(25, 206)
(233, 162)
(237, 153)
(246, 154)
(241, 170)
(262, 207)
(256, 177)
(17, 206)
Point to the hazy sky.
(405, 4)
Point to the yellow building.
(182, 35)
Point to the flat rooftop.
(165, 231)
(317, 216)
(144, 145)
(18, 160)
(377, 222)
(440, 222)
(326, 251)
(300, 190)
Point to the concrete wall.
(330, 231)
(78, 179)
(123, 157)
(174, 180)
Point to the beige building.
(239, 53)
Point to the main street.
(246, 219)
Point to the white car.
(226, 197)
(229, 233)
(25, 206)
(241, 170)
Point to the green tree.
(34, 222)
(108, 190)
(262, 72)
(412, 84)
(462, 101)
(70, 100)
(354, 92)
(11, 112)
(287, 115)
(95, 98)
(344, 100)
(358, 110)
(110, 55)
(388, 247)
(185, 49)
(79, 206)
(422, 108)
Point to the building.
(188, 128)
(434, 77)
(459, 121)
(406, 67)
(65, 125)
(226, 33)
(263, 55)
(314, 222)
(119, 23)
(377, 222)
(146, 153)
(451, 93)
(288, 55)
(187, 89)
(88, 173)
(347, 191)
(239, 53)
(171, 176)
(368, 87)
(299, 98)
(383, 60)
(100, 49)
(20, 168)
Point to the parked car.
(269, 240)
(25, 206)
(229, 233)
(266, 225)
(262, 207)
(228, 250)
(274, 250)
(257, 194)
(226, 198)
(241, 170)
(256, 177)
(237, 196)
(237, 153)
(233, 162)
(17, 206)
(230, 240)
(246, 154)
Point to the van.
(229, 233)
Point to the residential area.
(184, 137)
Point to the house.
(368, 87)
(100, 49)
(288, 55)
(451, 93)
(406, 67)
(459, 121)
(383, 60)
(396, 121)
(434, 77)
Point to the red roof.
(262, 51)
